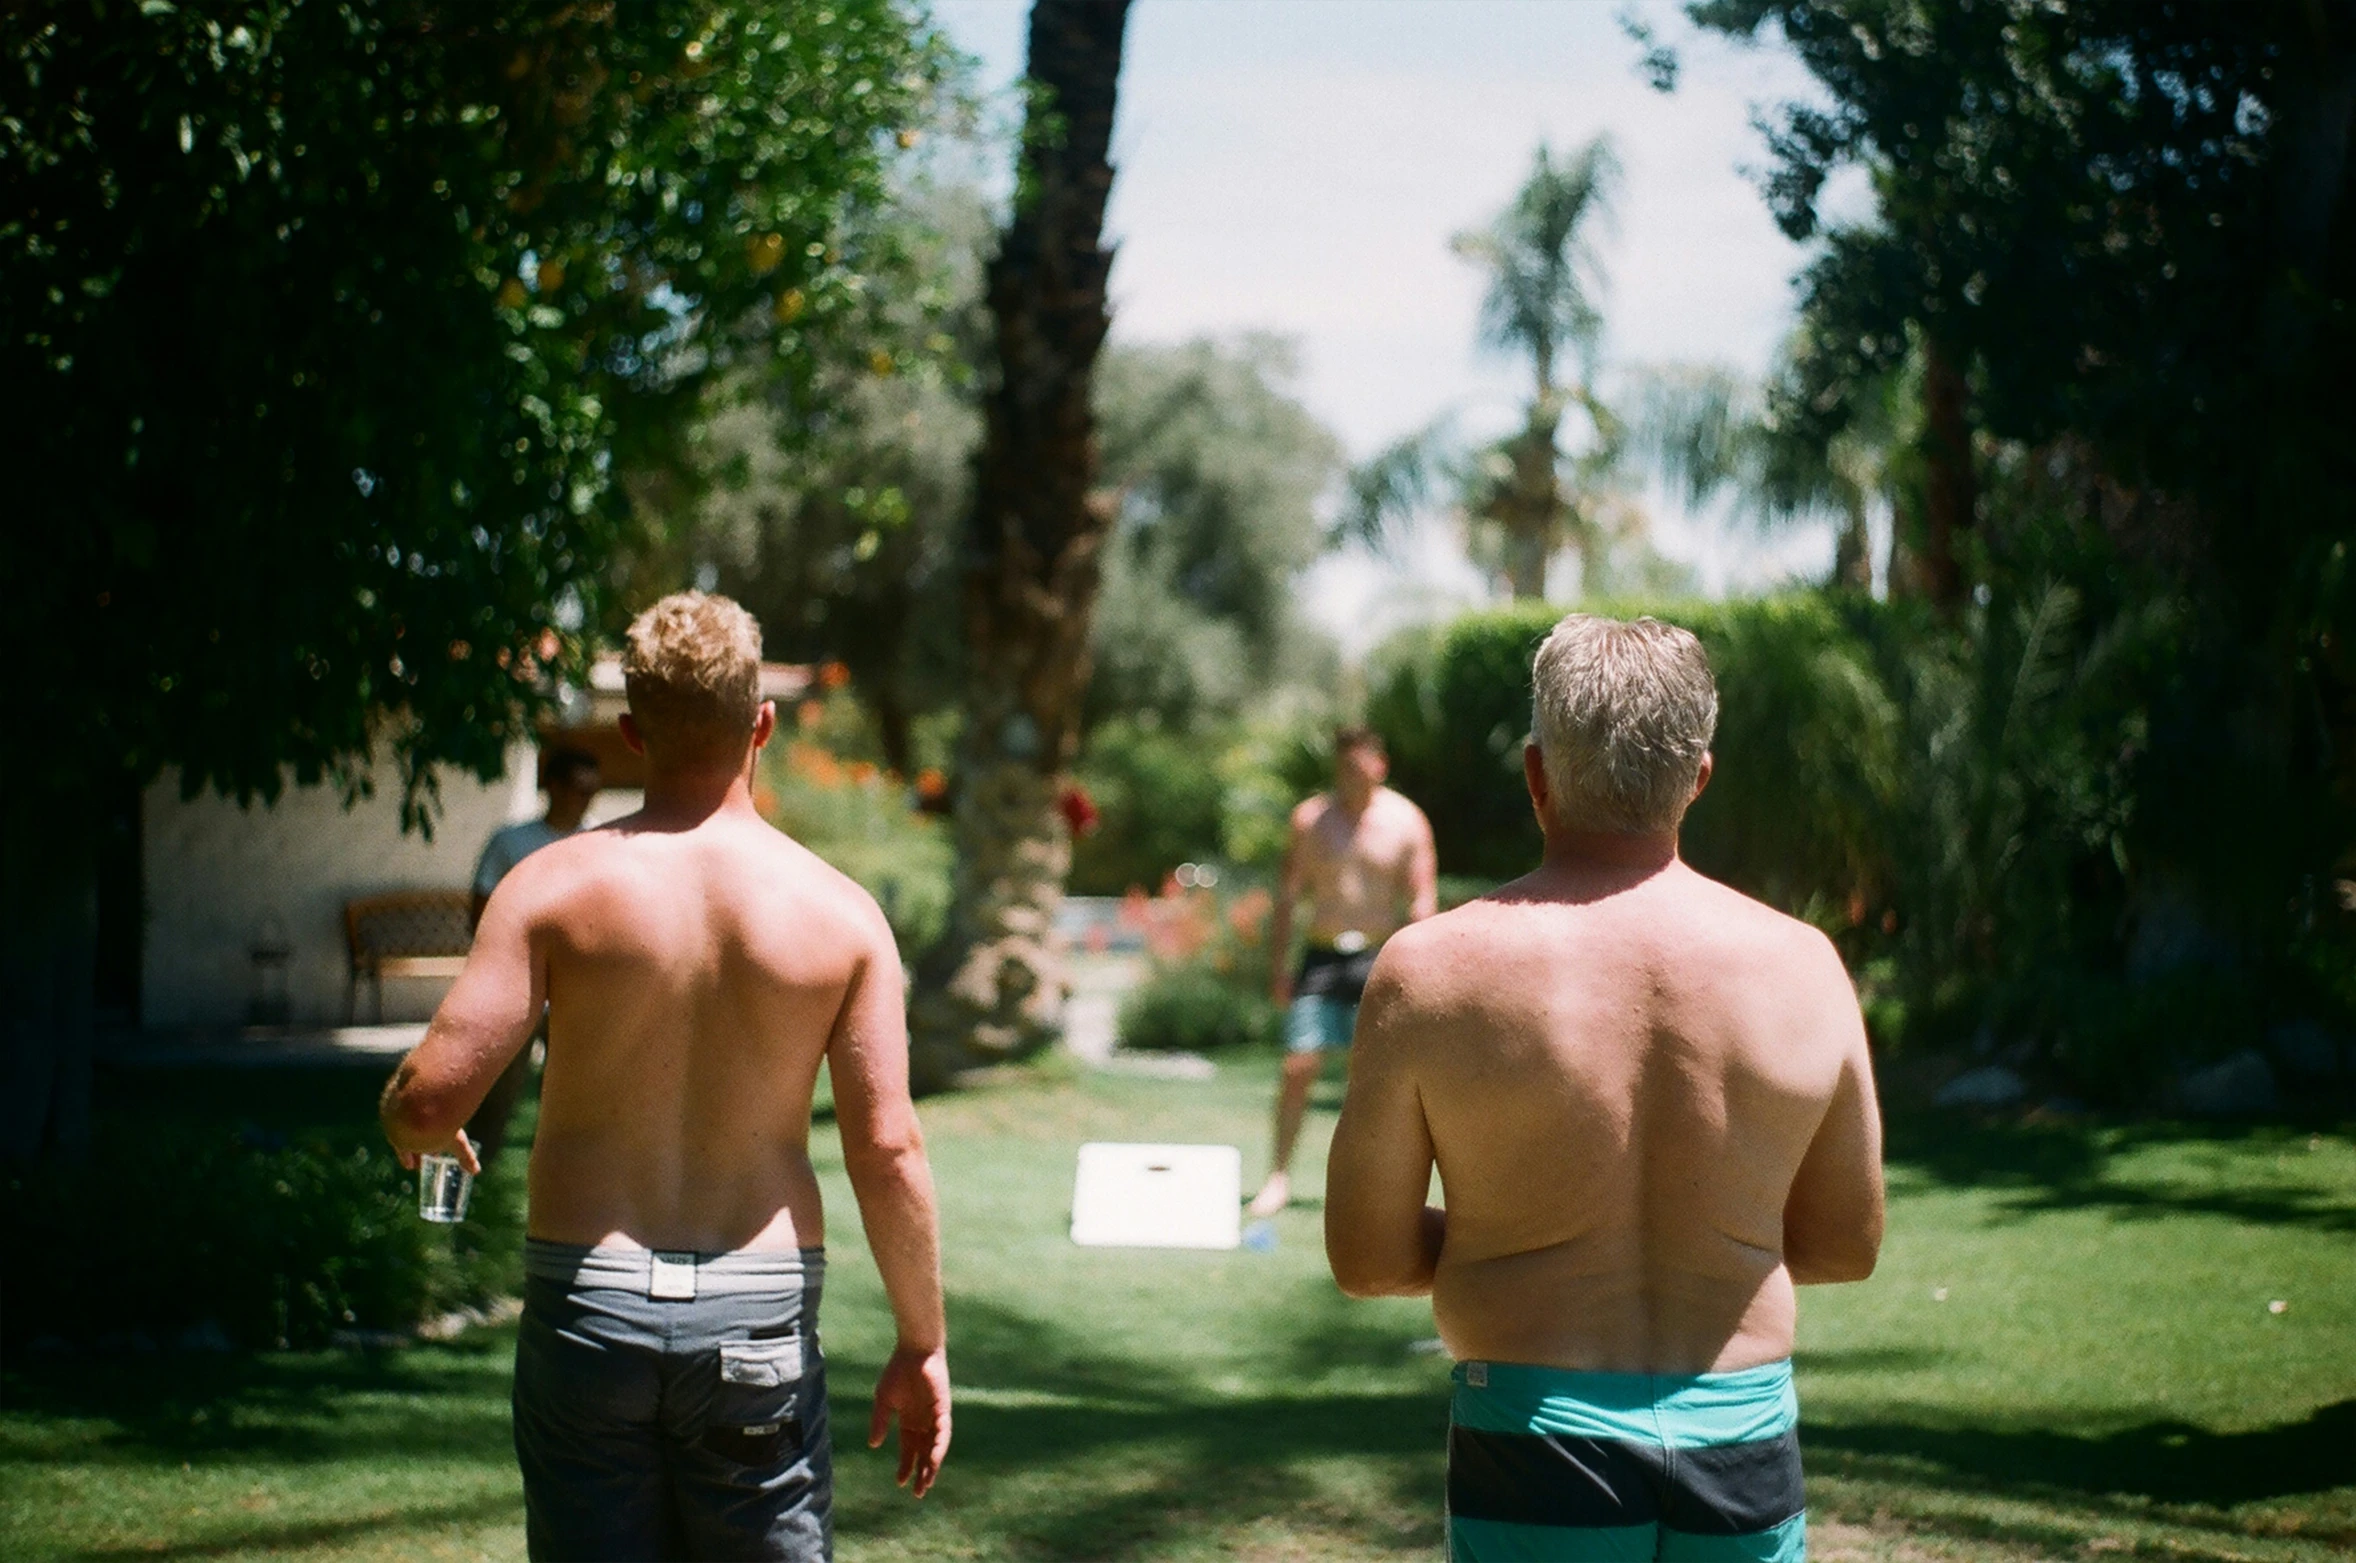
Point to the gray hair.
(1623, 714)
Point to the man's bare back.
(695, 967)
(694, 980)
(1651, 1108)
(1643, 1092)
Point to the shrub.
(1160, 802)
(1989, 815)
(1193, 1008)
(279, 1241)
(863, 820)
(1804, 716)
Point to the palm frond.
(1545, 277)
(1387, 491)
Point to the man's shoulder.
(798, 870)
(1745, 938)
(1404, 808)
(1433, 950)
(1733, 909)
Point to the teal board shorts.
(1547, 1465)
(1326, 991)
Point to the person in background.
(1363, 856)
(1653, 1112)
(571, 779)
(697, 967)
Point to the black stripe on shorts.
(1558, 1479)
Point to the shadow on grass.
(315, 1533)
(1868, 1359)
(1141, 1451)
(2052, 1166)
(2162, 1461)
(299, 1409)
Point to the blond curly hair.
(692, 665)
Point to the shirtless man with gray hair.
(696, 967)
(1652, 1110)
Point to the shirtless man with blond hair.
(1363, 856)
(696, 967)
(1652, 1110)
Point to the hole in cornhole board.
(1158, 1196)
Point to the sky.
(1298, 167)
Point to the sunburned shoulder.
(623, 855)
(1739, 931)
(1435, 950)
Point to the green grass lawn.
(2068, 1351)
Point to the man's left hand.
(460, 1146)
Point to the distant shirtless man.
(1653, 1114)
(697, 967)
(1363, 855)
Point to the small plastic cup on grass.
(443, 1188)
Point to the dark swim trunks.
(672, 1405)
(1326, 991)
(1334, 975)
(1547, 1464)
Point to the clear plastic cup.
(443, 1188)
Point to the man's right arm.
(1280, 919)
(1832, 1219)
(1381, 1238)
(883, 1151)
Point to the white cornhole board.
(1158, 1196)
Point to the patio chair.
(404, 933)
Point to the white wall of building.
(221, 878)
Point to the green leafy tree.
(333, 327)
(1219, 469)
(834, 514)
(1710, 433)
(2115, 236)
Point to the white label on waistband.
(671, 1276)
(1477, 1374)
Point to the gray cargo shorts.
(672, 1405)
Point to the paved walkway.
(1091, 1016)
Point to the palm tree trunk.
(994, 987)
(1534, 508)
(1852, 561)
(1951, 487)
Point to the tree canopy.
(2126, 221)
(334, 325)
(1220, 470)
(2110, 276)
